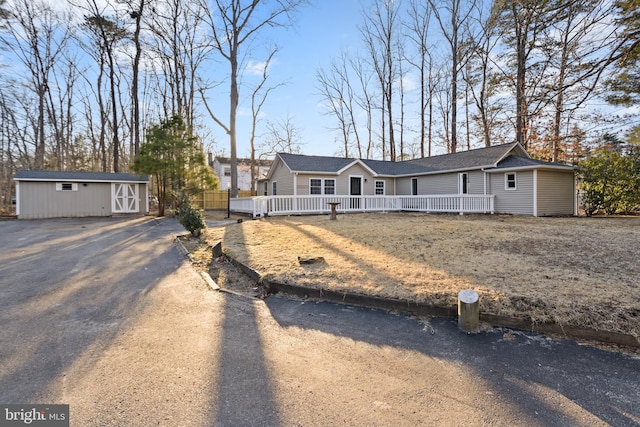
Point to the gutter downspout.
(535, 192)
(484, 178)
(295, 191)
(17, 199)
(575, 194)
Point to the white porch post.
(295, 191)
(535, 192)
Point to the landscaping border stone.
(426, 310)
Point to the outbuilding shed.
(61, 194)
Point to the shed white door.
(124, 198)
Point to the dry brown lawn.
(577, 271)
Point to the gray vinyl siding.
(517, 202)
(556, 192)
(446, 183)
(283, 178)
(41, 200)
(343, 181)
(389, 186)
(475, 182)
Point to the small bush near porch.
(577, 271)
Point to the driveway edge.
(421, 309)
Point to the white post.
(468, 310)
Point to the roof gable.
(320, 164)
(40, 175)
(516, 162)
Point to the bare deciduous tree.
(36, 36)
(380, 35)
(234, 24)
(452, 17)
(417, 30)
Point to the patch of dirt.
(578, 271)
(221, 269)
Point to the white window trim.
(321, 189)
(411, 189)
(384, 187)
(506, 181)
(274, 186)
(461, 184)
(323, 186)
(74, 186)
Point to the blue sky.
(322, 29)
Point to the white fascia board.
(361, 163)
(101, 181)
(412, 175)
(315, 173)
(533, 167)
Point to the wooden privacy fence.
(215, 199)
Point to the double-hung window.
(322, 186)
(379, 188)
(329, 186)
(315, 186)
(510, 181)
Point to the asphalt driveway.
(108, 317)
(67, 284)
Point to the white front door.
(124, 198)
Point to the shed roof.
(40, 175)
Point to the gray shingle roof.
(39, 175)
(472, 159)
(520, 162)
(302, 163)
(497, 156)
(395, 168)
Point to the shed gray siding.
(556, 193)
(41, 200)
(518, 201)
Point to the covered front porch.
(302, 205)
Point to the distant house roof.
(503, 156)
(227, 161)
(40, 175)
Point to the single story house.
(59, 194)
(504, 176)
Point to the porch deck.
(300, 205)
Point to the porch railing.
(299, 205)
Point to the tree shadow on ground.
(515, 364)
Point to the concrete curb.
(419, 309)
(423, 309)
(205, 276)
